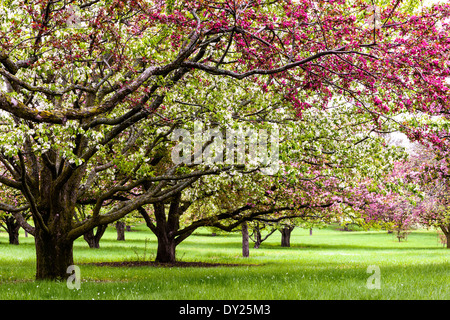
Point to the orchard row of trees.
(407, 197)
(94, 90)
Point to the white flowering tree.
(322, 158)
(79, 122)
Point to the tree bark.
(12, 227)
(14, 236)
(446, 231)
(286, 236)
(258, 238)
(245, 243)
(166, 249)
(53, 214)
(166, 228)
(448, 240)
(120, 226)
(54, 254)
(92, 239)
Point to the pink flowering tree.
(431, 163)
(391, 201)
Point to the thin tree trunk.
(448, 240)
(258, 237)
(245, 243)
(120, 226)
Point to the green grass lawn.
(330, 264)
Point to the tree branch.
(10, 183)
(217, 71)
(147, 219)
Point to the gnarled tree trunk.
(167, 227)
(166, 243)
(54, 254)
(54, 248)
(92, 239)
(166, 249)
(53, 217)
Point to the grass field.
(330, 264)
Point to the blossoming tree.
(87, 81)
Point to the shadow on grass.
(176, 264)
(344, 246)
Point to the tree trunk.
(13, 227)
(245, 245)
(165, 228)
(92, 239)
(54, 254)
(53, 223)
(120, 226)
(166, 249)
(446, 231)
(448, 240)
(258, 237)
(286, 236)
(310, 231)
(14, 236)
